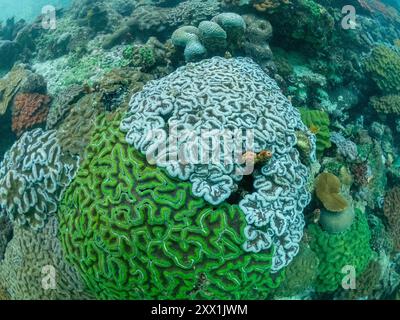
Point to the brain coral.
(384, 67)
(27, 266)
(30, 110)
(135, 233)
(33, 174)
(210, 98)
(335, 251)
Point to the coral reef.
(134, 233)
(34, 268)
(30, 110)
(336, 251)
(220, 94)
(33, 174)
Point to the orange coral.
(392, 214)
(30, 109)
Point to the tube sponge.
(135, 233)
(33, 175)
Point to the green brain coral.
(318, 122)
(384, 67)
(135, 233)
(335, 251)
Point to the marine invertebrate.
(335, 251)
(75, 131)
(214, 37)
(269, 5)
(318, 123)
(389, 104)
(6, 232)
(337, 222)
(34, 268)
(384, 67)
(301, 274)
(345, 147)
(33, 174)
(135, 233)
(391, 212)
(9, 87)
(327, 189)
(29, 111)
(228, 94)
(62, 104)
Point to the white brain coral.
(235, 95)
(33, 174)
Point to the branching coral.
(216, 96)
(391, 211)
(389, 104)
(30, 110)
(135, 233)
(33, 174)
(336, 251)
(34, 267)
(384, 67)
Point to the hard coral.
(336, 251)
(33, 174)
(135, 233)
(384, 67)
(392, 214)
(389, 104)
(34, 267)
(30, 110)
(327, 189)
(220, 95)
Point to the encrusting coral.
(226, 95)
(134, 233)
(34, 268)
(29, 111)
(33, 174)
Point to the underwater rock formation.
(135, 233)
(220, 94)
(33, 175)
